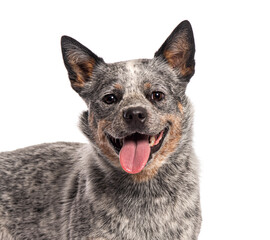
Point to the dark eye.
(109, 99)
(157, 96)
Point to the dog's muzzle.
(137, 146)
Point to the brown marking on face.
(118, 86)
(147, 85)
(180, 107)
(169, 146)
(91, 119)
(104, 144)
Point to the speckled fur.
(79, 191)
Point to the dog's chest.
(142, 218)
(144, 227)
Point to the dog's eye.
(157, 96)
(109, 99)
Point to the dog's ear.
(79, 61)
(178, 50)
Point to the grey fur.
(75, 191)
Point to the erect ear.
(79, 61)
(178, 50)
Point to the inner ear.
(179, 50)
(79, 61)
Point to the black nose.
(135, 116)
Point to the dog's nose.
(135, 116)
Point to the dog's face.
(136, 108)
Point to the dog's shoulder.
(31, 184)
(42, 163)
(42, 155)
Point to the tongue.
(135, 153)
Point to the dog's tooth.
(152, 141)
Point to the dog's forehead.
(133, 75)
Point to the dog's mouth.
(136, 150)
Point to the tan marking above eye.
(118, 86)
(147, 85)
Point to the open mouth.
(136, 150)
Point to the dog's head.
(137, 108)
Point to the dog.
(138, 176)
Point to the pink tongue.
(134, 154)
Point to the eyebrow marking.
(118, 86)
(147, 85)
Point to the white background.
(230, 89)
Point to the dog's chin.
(155, 141)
